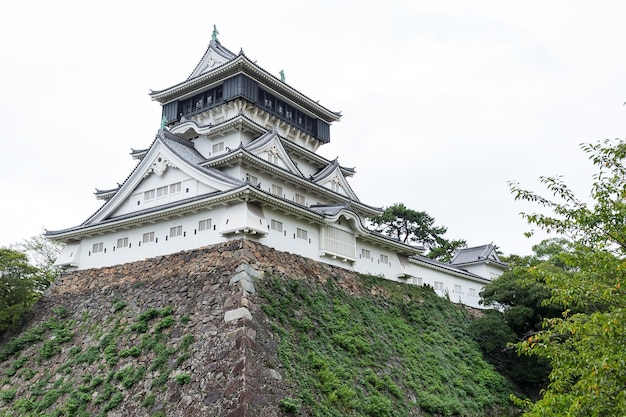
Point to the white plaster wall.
(286, 241)
(162, 245)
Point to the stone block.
(237, 314)
(247, 286)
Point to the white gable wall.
(190, 187)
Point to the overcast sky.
(443, 102)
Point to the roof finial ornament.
(282, 75)
(163, 122)
(215, 33)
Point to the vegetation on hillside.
(520, 298)
(385, 349)
(35, 385)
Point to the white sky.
(443, 102)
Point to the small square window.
(438, 285)
(161, 191)
(300, 199)
(122, 243)
(149, 195)
(176, 231)
(98, 247)
(218, 147)
(471, 292)
(457, 289)
(365, 254)
(148, 237)
(204, 225)
(301, 234)
(277, 190)
(276, 225)
(252, 179)
(384, 259)
(176, 188)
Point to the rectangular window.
(301, 234)
(98, 247)
(457, 289)
(176, 231)
(122, 243)
(339, 242)
(176, 188)
(419, 281)
(438, 286)
(276, 225)
(218, 147)
(471, 292)
(365, 254)
(204, 225)
(384, 259)
(161, 191)
(148, 237)
(277, 190)
(148, 195)
(300, 199)
(252, 179)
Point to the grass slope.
(378, 348)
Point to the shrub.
(182, 379)
(7, 395)
(289, 406)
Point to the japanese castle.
(236, 158)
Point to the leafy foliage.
(520, 296)
(402, 352)
(21, 284)
(585, 344)
(410, 226)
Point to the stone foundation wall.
(233, 366)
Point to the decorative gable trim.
(159, 166)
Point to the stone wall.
(233, 367)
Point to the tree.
(21, 284)
(410, 226)
(584, 345)
(519, 298)
(41, 253)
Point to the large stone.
(237, 314)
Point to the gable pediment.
(332, 178)
(269, 147)
(215, 56)
(168, 172)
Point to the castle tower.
(236, 157)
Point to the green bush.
(8, 395)
(182, 379)
(289, 406)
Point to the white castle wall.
(457, 288)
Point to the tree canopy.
(26, 270)
(20, 286)
(585, 344)
(519, 299)
(418, 227)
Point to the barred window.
(176, 231)
(204, 225)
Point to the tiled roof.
(476, 254)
